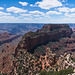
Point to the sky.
(37, 11)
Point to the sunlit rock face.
(65, 61)
(50, 32)
(25, 61)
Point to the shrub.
(43, 72)
(62, 72)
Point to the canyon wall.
(8, 38)
(50, 32)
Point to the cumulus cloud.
(8, 19)
(2, 13)
(1, 8)
(15, 10)
(37, 13)
(41, 14)
(33, 5)
(64, 0)
(34, 14)
(70, 15)
(66, 9)
(72, 10)
(47, 4)
(23, 3)
(63, 9)
(53, 12)
(25, 14)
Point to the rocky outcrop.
(8, 38)
(48, 33)
(50, 27)
(6, 59)
(48, 60)
(6, 55)
(65, 61)
(5, 35)
(25, 62)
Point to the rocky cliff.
(26, 63)
(7, 37)
(48, 33)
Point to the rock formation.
(65, 61)
(48, 33)
(7, 37)
(27, 62)
(31, 64)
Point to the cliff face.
(27, 63)
(65, 61)
(6, 58)
(50, 27)
(7, 37)
(8, 44)
(48, 33)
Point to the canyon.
(42, 36)
(7, 37)
(41, 50)
(31, 57)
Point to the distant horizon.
(47, 23)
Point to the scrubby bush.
(43, 72)
(62, 72)
(3, 73)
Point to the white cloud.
(37, 13)
(63, 9)
(34, 13)
(15, 10)
(8, 19)
(28, 19)
(66, 20)
(66, 9)
(21, 19)
(25, 14)
(33, 5)
(64, 0)
(47, 4)
(70, 15)
(24, 3)
(2, 13)
(53, 12)
(1, 8)
(72, 10)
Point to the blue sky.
(37, 11)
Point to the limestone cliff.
(48, 33)
(25, 61)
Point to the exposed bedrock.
(50, 32)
